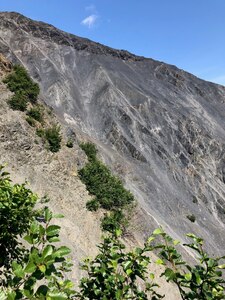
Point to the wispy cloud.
(91, 8)
(90, 21)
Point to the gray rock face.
(161, 129)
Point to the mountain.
(158, 127)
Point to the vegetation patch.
(30, 121)
(108, 189)
(18, 101)
(36, 112)
(69, 143)
(52, 136)
(26, 93)
(22, 84)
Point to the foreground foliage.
(116, 273)
(37, 270)
(202, 281)
(16, 210)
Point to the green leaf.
(169, 274)
(127, 265)
(47, 215)
(159, 262)
(129, 271)
(188, 276)
(158, 231)
(48, 250)
(53, 239)
(119, 294)
(221, 266)
(152, 276)
(42, 268)
(62, 251)
(58, 216)
(3, 296)
(176, 242)
(53, 230)
(10, 296)
(30, 267)
(29, 239)
(18, 270)
(56, 296)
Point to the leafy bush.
(52, 135)
(20, 83)
(92, 205)
(90, 150)
(40, 272)
(118, 274)
(36, 113)
(16, 211)
(18, 101)
(113, 221)
(201, 281)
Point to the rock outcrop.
(160, 128)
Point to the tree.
(16, 211)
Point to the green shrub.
(69, 143)
(18, 101)
(36, 113)
(92, 205)
(107, 188)
(113, 221)
(53, 137)
(19, 81)
(30, 121)
(90, 150)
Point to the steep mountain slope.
(160, 128)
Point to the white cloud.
(89, 21)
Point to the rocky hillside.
(160, 128)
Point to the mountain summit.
(158, 127)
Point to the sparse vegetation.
(69, 143)
(30, 121)
(52, 135)
(22, 85)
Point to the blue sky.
(187, 33)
